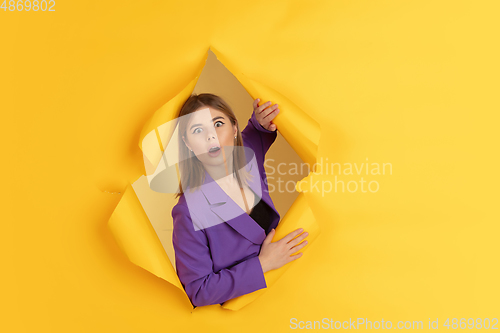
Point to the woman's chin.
(214, 161)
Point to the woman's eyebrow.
(214, 119)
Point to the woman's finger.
(298, 239)
(298, 247)
(295, 257)
(262, 107)
(267, 116)
(269, 237)
(270, 112)
(291, 235)
(256, 103)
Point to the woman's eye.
(199, 129)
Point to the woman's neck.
(220, 173)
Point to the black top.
(261, 213)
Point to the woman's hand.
(265, 114)
(273, 255)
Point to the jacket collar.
(228, 210)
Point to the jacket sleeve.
(258, 138)
(194, 266)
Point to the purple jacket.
(220, 262)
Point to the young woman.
(222, 226)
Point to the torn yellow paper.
(299, 216)
(138, 240)
(130, 224)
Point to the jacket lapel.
(228, 210)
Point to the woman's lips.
(214, 151)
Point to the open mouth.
(214, 151)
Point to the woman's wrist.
(263, 265)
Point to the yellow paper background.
(413, 84)
(142, 225)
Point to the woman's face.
(207, 130)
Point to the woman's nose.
(211, 136)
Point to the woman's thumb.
(269, 236)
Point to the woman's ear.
(184, 139)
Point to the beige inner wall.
(216, 79)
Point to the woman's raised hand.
(273, 255)
(265, 114)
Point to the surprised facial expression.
(208, 132)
